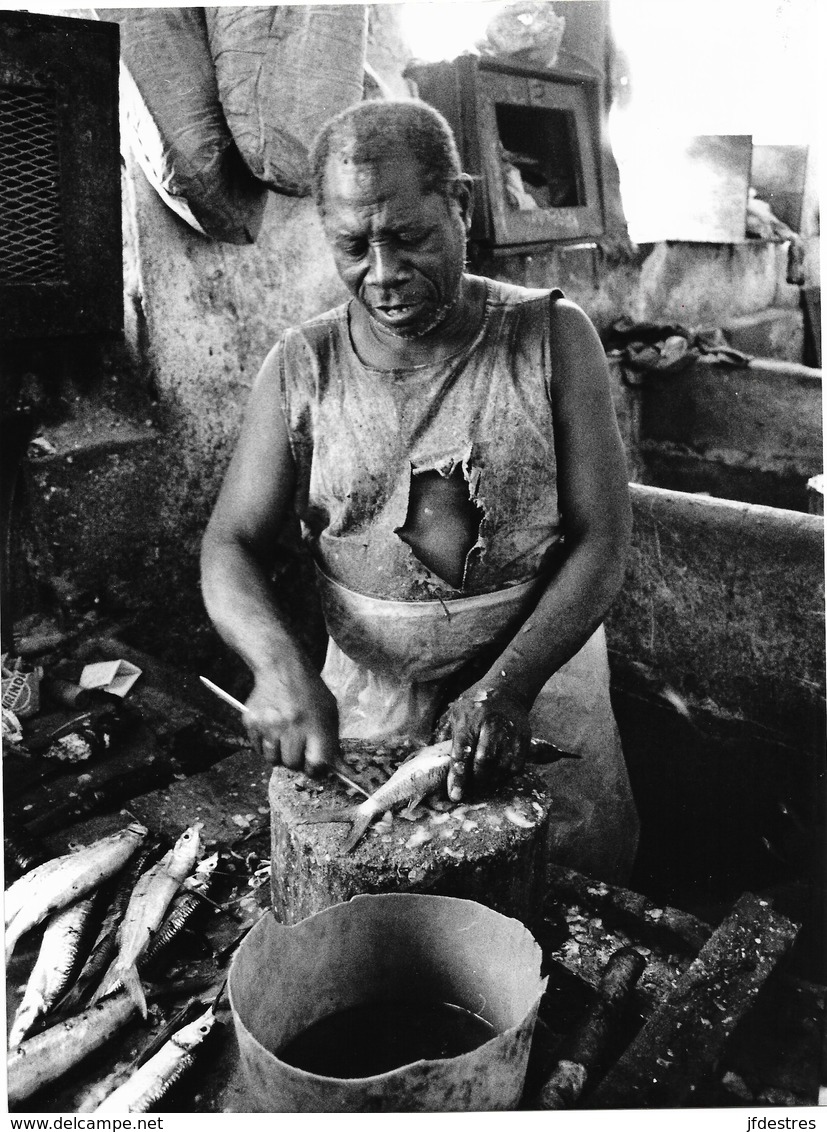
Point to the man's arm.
(292, 717)
(489, 722)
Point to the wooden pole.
(681, 1043)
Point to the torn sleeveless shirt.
(397, 630)
(359, 434)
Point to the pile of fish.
(84, 986)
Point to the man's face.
(399, 251)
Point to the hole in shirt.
(442, 523)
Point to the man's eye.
(353, 248)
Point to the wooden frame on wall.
(543, 123)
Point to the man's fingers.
(462, 750)
(264, 736)
(492, 741)
(519, 749)
(269, 749)
(292, 750)
(320, 753)
(443, 729)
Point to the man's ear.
(462, 191)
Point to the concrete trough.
(752, 433)
(717, 649)
(725, 602)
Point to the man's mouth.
(396, 311)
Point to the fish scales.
(17, 894)
(62, 881)
(147, 906)
(44, 1058)
(15, 897)
(183, 910)
(185, 907)
(57, 962)
(154, 1079)
(88, 1099)
(173, 1065)
(414, 779)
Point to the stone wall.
(695, 285)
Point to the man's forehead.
(375, 179)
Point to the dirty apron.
(397, 630)
(389, 686)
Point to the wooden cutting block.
(492, 850)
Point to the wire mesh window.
(31, 230)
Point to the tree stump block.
(492, 850)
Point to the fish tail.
(361, 821)
(107, 984)
(132, 983)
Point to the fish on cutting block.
(422, 774)
(414, 780)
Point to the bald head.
(371, 131)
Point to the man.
(450, 447)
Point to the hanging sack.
(173, 121)
(282, 73)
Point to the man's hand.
(294, 722)
(490, 734)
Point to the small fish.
(420, 775)
(410, 783)
(151, 1083)
(183, 910)
(201, 880)
(148, 904)
(105, 946)
(61, 954)
(63, 880)
(48, 1055)
(88, 1098)
(417, 777)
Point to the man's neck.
(380, 349)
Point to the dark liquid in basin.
(375, 1037)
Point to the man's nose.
(385, 266)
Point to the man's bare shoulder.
(320, 324)
(569, 318)
(310, 337)
(505, 294)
